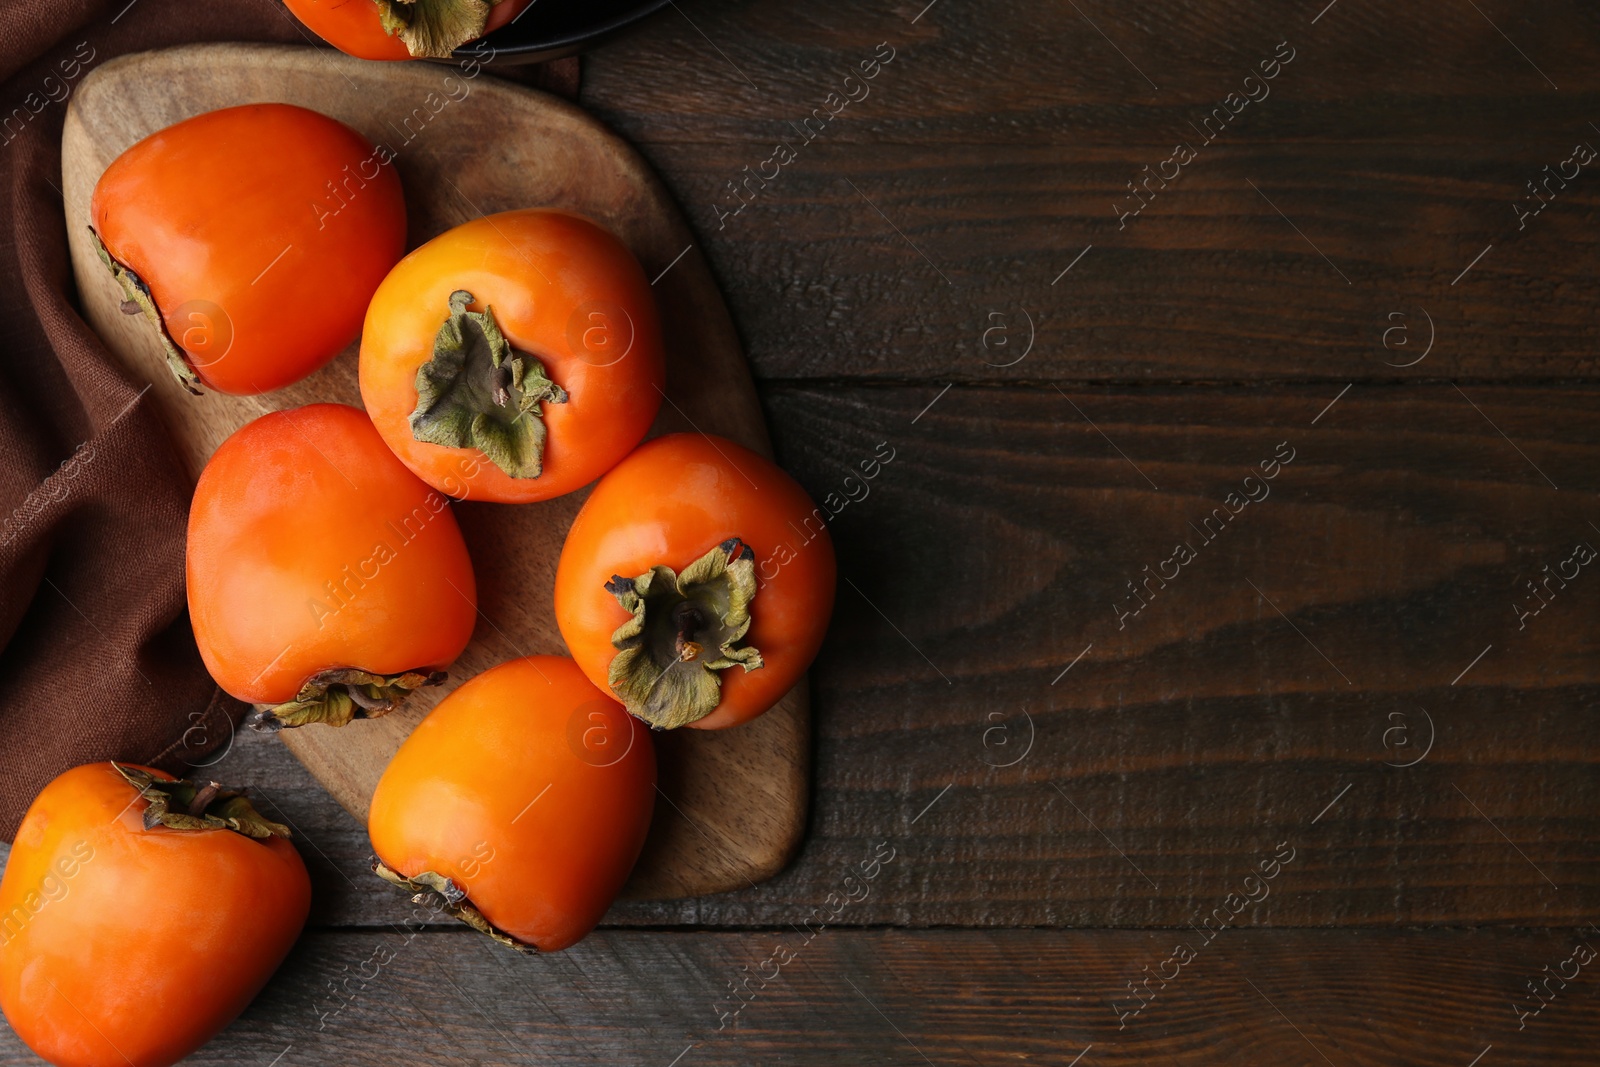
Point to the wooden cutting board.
(733, 802)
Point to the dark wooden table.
(1318, 786)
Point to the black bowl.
(552, 29)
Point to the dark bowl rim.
(570, 42)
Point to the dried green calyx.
(137, 298)
(432, 29)
(478, 392)
(440, 893)
(339, 696)
(684, 629)
(198, 805)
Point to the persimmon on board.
(696, 583)
(519, 804)
(251, 238)
(323, 577)
(514, 358)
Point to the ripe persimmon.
(519, 353)
(252, 238)
(397, 29)
(139, 915)
(323, 576)
(696, 583)
(519, 804)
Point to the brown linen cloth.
(98, 659)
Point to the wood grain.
(1001, 135)
(1179, 750)
(1273, 693)
(1421, 998)
(551, 154)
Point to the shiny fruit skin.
(147, 942)
(353, 28)
(302, 499)
(528, 788)
(543, 273)
(671, 501)
(262, 230)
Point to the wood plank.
(996, 142)
(1173, 756)
(1429, 999)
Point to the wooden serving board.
(734, 801)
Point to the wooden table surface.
(1318, 786)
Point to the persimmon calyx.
(440, 893)
(478, 392)
(198, 805)
(337, 697)
(137, 298)
(684, 629)
(432, 29)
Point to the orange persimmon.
(519, 804)
(514, 358)
(138, 915)
(696, 583)
(356, 27)
(252, 238)
(323, 576)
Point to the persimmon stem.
(182, 804)
(432, 29)
(434, 890)
(203, 797)
(479, 392)
(689, 620)
(340, 696)
(684, 629)
(138, 298)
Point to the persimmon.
(139, 915)
(323, 576)
(403, 29)
(519, 804)
(696, 583)
(518, 353)
(251, 238)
